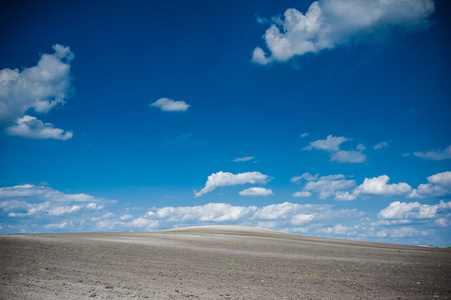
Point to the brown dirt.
(217, 262)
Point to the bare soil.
(217, 262)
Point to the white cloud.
(23, 209)
(166, 104)
(301, 219)
(94, 206)
(126, 217)
(43, 193)
(303, 194)
(381, 145)
(30, 127)
(256, 191)
(56, 226)
(44, 202)
(243, 158)
(339, 230)
(329, 23)
(402, 232)
(413, 210)
(306, 176)
(222, 179)
(439, 185)
(259, 56)
(331, 143)
(40, 88)
(211, 212)
(435, 155)
(344, 156)
(64, 210)
(379, 186)
(103, 217)
(344, 196)
(360, 147)
(442, 222)
(328, 185)
(442, 179)
(305, 134)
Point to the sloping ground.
(217, 262)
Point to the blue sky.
(326, 118)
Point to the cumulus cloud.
(274, 215)
(243, 158)
(303, 194)
(438, 185)
(329, 23)
(30, 200)
(39, 88)
(435, 155)
(166, 104)
(340, 230)
(344, 156)
(326, 186)
(379, 186)
(345, 196)
(222, 179)
(301, 219)
(30, 127)
(256, 191)
(331, 143)
(211, 212)
(413, 210)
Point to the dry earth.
(217, 262)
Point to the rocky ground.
(220, 262)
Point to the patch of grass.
(35, 269)
(314, 276)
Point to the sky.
(326, 118)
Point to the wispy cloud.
(381, 145)
(329, 23)
(344, 156)
(166, 104)
(332, 145)
(256, 191)
(435, 155)
(39, 88)
(238, 159)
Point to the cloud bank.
(39, 89)
(329, 23)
